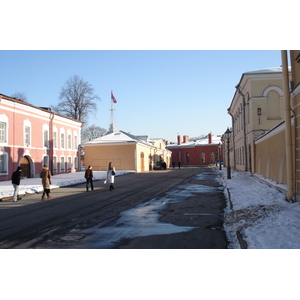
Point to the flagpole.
(112, 113)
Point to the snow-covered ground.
(259, 212)
(255, 211)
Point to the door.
(25, 165)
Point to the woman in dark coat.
(89, 178)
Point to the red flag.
(113, 98)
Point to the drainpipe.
(288, 127)
(233, 140)
(244, 128)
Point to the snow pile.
(259, 214)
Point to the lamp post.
(228, 135)
(219, 155)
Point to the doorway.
(25, 165)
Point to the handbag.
(113, 173)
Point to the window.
(46, 160)
(27, 136)
(55, 139)
(46, 139)
(187, 157)
(75, 142)
(76, 163)
(69, 141)
(54, 164)
(69, 163)
(212, 157)
(62, 164)
(62, 140)
(3, 163)
(3, 132)
(203, 157)
(273, 105)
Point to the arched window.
(273, 105)
(273, 94)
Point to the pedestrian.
(89, 178)
(15, 180)
(179, 164)
(173, 164)
(110, 176)
(46, 181)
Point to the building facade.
(256, 107)
(32, 136)
(204, 151)
(126, 152)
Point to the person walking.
(89, 178)
(15, 180)
(46, 181)
(110, 176)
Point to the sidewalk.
(34, 185)
(257, 215)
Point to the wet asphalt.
(168, 209)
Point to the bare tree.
(92, 132)
(77, 99)
(20, 95)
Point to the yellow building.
(126, 152)
(256, 107)
(278, 150)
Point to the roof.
(216, 139)
(266, 71)
(118, 138)
(46, 109)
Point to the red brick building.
(32, 136)
(204, 151)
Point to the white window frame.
(45, 136)
(5, 163)
(62, 164)
(4, 119)
(27, 140)
(54, 164)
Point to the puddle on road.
(143, 220)
(205, 176)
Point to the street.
(166, 209)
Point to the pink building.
(32, 136)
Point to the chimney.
(209, 138)
(178, 140)
(185, 138)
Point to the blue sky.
(160, 93)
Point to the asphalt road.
(62, 221)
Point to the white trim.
(273, 88)
(270, 133)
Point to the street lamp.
(228, 135)
(219, 155)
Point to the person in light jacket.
(110, 176)
(46, 175)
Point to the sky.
(172, 66)
(160, 93)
